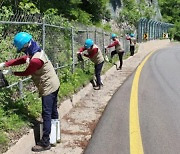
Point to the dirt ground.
(80, 114)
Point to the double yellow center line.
(136, 146)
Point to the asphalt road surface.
(159, 110)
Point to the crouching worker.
(95, 55)
(44, 77)
(118, 50)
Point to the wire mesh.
(60, 43)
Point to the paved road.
(159, 110)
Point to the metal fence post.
(44, 33)
(20, 86)
(87, 33)
(95, 38)
(72, 48)
(138, 31)
(103, 42)
(57, 67)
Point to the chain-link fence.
(60, 43)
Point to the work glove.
(8, 72)
(2, 65)
(28, 60)
(106, 58)
(106, 50)
(79, 57)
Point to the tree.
(171, 12)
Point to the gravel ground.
(80, 114)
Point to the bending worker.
(118, 49)
(95, 55)
(44, 77)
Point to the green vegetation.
(83, 11)
(132, 12)
(170, 12)
(15, 112)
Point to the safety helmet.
(132, 35)
(113, 36)
(21, 39)
(88, 43)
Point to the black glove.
(79, 57)
(3, 81)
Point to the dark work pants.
(98, 69)
(120, 54)
(49, 111)
(132, 50)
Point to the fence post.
(20, 86)
(72, 48)
(103, 42)
(87, 33)
(110, 38)
(57, 66)
(44, 33)
(95, 39)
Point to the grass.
(16, 113)
(3, 138)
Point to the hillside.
(91, 12)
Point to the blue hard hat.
(88, 43)
(132, 35)
(21, 39)
(113, 36)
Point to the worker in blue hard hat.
(132, 41)
(44, 77)
(118, 50)
(95, 55)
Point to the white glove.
(7, 72)
(79, 52)
(106, 58)
(28, 60)
(2, 65)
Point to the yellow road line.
(136, 146)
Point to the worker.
(44, 77)
(95, 55)
(132, 41)
(118, 50)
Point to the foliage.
(175, 32)
(71, 82)
(16, 113)
(133, 11)
(6, 12)
(84, 11)
(170, 12)
(28, 7)
(107, 27)
(96, 8)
